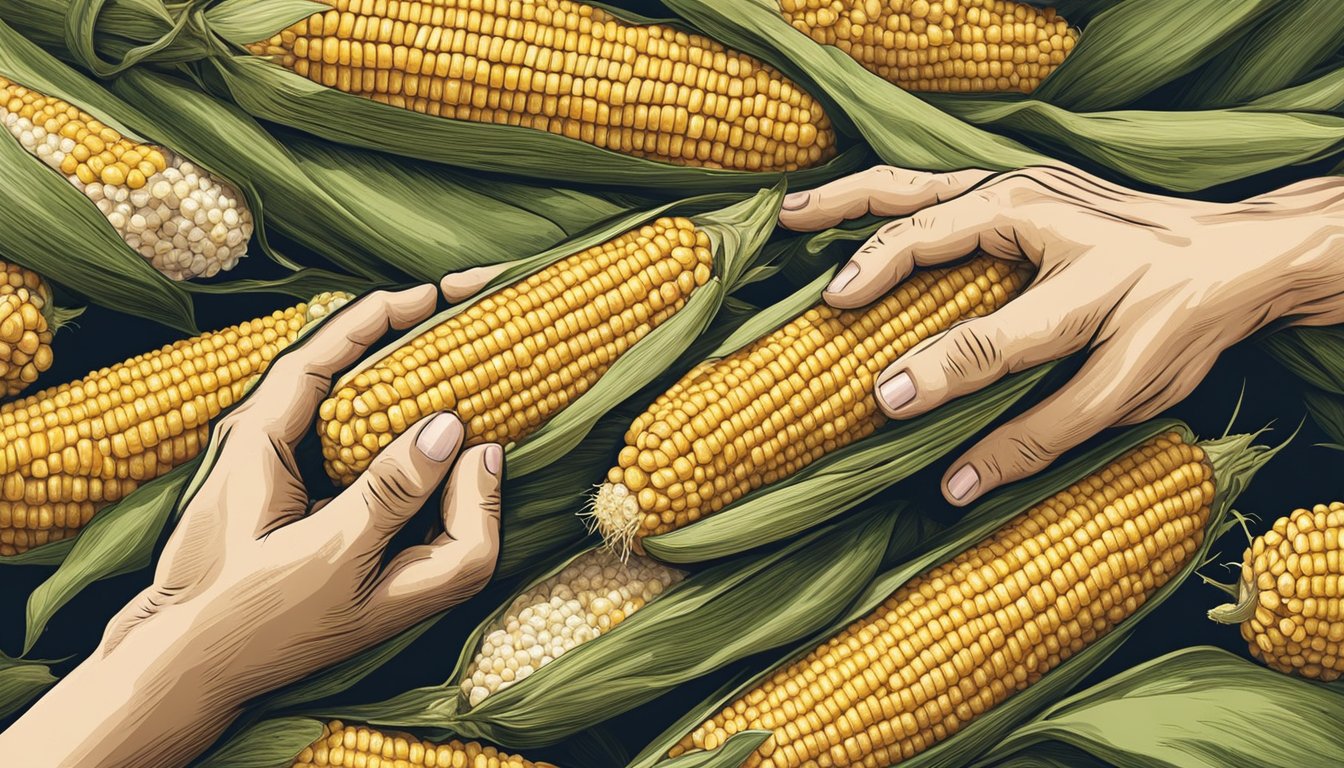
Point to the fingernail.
(494, 458)
(897, 391)
(440, 437)
(843, 279)
(796, 201)
(963, 481)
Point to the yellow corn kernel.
(962, 638)
(515, 358)
(763, 413)
(351, 745)
(941, 46)
(25, 335)
(566, 68)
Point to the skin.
(257, 587)
(1150, 289)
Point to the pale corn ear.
(68, 451)
(357, 745)
(566, 68)
(25, 332)
(942, 46)
(589, 597)
(518, 356)
(178, 216)
(959, 640)
(1291, 605)
(761, 414)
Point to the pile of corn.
(587, 598)
(179, 217)
(349, 746)
(25, 333)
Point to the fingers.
(426, 579)
(881, 191)
(934, 236)
(398, 482)
(1053, 319)
(457, 286)
(285, 403)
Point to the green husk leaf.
(1322, 94)
(1136, 46)
(1315, 355)
(596, 748)
(371, 213)
(1235, 460)
(250, 21)
(714, 617)
(734, 752)
(119, 539)
(1288, 44)
(267, 744)
(21, 682)
(1328, 413)
(1052, 755)
(1198, 707)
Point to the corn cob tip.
(26, 327)
(324, 304)
(613, 512)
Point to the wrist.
(1305, 234)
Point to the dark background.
(1302, 475)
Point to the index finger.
(286, 401)
(882, 191)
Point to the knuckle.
(1025, 451)
(971, 349)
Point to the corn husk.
(712, 618)
(373, 215)
(212, 39)
(1316, 356)
(1198, 707)
(842, 479)
(20, 682)
(1235, 460)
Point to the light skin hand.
(1153, 289)
(257, 588)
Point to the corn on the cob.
(358, 746)
(68, 451)
(1291, 606)
(761, 414)
(587, 598)
(961, 639)
(944, 46)
(179, 217)
(25, 334)
(524, 353)
(566, 68)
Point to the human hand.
(257, 587)
(1153, 287)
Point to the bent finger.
(457, 286)
(882, 191)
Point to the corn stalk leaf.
(1235, 460)
(1328, 413)
(21, 682)
(268, 744)
(714, 617)
(1315, 355)
(1198, 707)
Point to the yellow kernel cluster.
(1296, 573)
(524, 353)
(68, 451)
(25, 337)
(185, 222)
(753, 418)
(941, 46)
(349, 746)
(961, 639)
(589, 597)
(565, 68)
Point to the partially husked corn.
(942, 46)
(954, 643)
(68, 451)
(178, 216)
(566, 68)
(763, 413)
(524, 353)
(25, 335)
(587, 598)
(1292, 594)
(351, 746)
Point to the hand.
(1153, 288)
(257, 588)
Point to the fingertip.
(458, 286)
(441, 437)
(410, 305)
(796, 201)
(895, 393)
(963, 485)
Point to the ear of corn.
(68, 451)
(26, 325)
(941, 46)
(565, 68)
(1003, 614)
(770, 409)
(353, 745)
(1291, 605)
